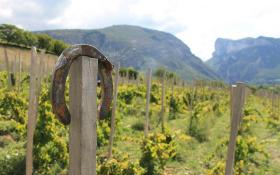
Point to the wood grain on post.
(42, 63)
(237, 103)
(7, 68)
(14, 69)
(112, 131)
(19, 71)
(148, 94)
(32, 110)
(83, 109)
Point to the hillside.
(140, 48)
(250, 59)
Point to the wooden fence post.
(7, 68)
(32, 109)
(83, 109)
(237, 102)
(42, 63)
(112, 131)
(149, 79)
(19, 71)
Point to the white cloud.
(197, 22)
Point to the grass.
(192, 154)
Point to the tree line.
(11, 34)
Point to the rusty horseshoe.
(60, 74)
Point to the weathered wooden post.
(148, 92)
(7, 68)
(237, 102)
(19, 70)
(42, 63)
(86, 60)
(112, 131)
(32, 109)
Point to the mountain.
(140, 48)
(255, 60)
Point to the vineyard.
(188, 128)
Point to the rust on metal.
(61, 70)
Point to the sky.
(198, 23)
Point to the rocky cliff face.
(249, 59)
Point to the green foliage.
(250, 154)
(58, 46)
(50, 139)
(29, 39)
(128, 94)
(138, 126)
(13, 35)
(44, 41)
(12, 159)
(204, 111)
(201, 121)
(7, 127)
(162, 71)
(13, 107)
(119, 165)
(103, 133)
(132, 73)
(10, 33)
(157, 149)
(174, 108)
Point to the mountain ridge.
(141, 48)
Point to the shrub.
(103, 133)
(200, 121)
(119, 165)
(250, 154)
(157, 149)
(12, 159)
(138, 126)
(174, 108)
(50, 145)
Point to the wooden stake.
(172, 87)
(32, 110)
(149, 79)
(127, 76)
(83, 109)
(237, 102)
(112, 131)
(162, 102)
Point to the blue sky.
(198, 23)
